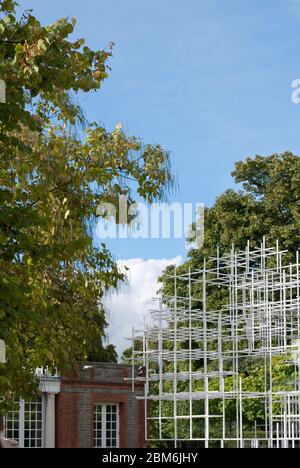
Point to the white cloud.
(132, 303)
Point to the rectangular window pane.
(33, 414)
(12, 421)
(24, 423)
(105, 426)
(98, 426)
(111, 417)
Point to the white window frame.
(104, 412)
(23, 408)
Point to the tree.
(268, 204)
(55, 170)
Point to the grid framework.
(227, 377)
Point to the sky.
(210, 80)
(136, 297)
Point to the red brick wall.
(121, 400)
(67, 420)
(75, 411)
(142, 427)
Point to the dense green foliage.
(55, 169)
(268, 204)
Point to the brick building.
(97, 408)
(93, 408)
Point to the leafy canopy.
(267, 204)
(55, 169)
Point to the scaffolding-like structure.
(227, 377)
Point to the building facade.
(95, 407)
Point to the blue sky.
(210, 80)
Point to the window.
(33, 425)
(12, 422)
(106, 426)
(24, 423)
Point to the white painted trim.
(104, 420)
(22, 424)
(118, 426)
(2, 92)
(103, 424)
(2, 352)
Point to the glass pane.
(111, 426)
(105, 426)
(98, 426)
(33, 415)
(12, 423)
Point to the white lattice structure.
(195, 360)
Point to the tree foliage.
(55, 169)
(267, 204)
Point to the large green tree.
(55, 169)
(267, 204)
